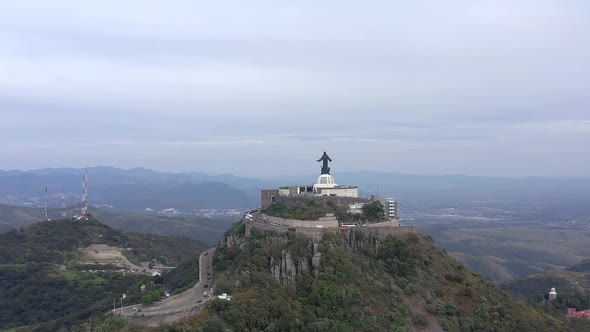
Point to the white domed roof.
(553, 291)
(325, 181)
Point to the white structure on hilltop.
(552, 294)
(325, 181)
(390, 208)
(325, 186)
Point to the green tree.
(373, 211)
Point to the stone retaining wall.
(381, 229)
(333, 222)
(302, 199)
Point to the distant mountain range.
(139, 188)
(134, 190)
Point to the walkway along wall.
(302, 199)
(316, 233)
(324, 222)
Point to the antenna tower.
(63, 205)
(84, 210)
(45, 207)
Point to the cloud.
(286, 78)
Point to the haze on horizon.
(493, 88)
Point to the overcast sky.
(262, 88)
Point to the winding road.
(187, 299)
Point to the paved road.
(190, 298)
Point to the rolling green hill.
(44, 283)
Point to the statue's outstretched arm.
(319, 159)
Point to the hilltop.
(352, 281)
(46, 282)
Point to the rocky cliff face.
(287, 266)
(232, 241)
(286, 269)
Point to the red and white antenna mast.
(84, 210)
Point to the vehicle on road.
(206, 294)
(207, 253)
(206, 286)
(200, 301)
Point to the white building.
(325, 186)
(390, 208)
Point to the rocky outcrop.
(232, 241)
(286, 269)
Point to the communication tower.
(84, 209)
(63, 205)
(45, 207)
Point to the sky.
(262, 88)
